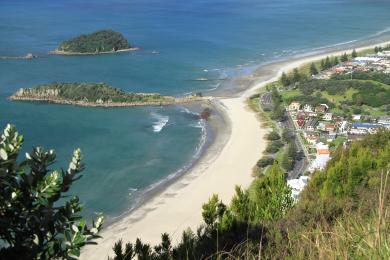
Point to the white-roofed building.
(297, 186)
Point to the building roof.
(366, 125)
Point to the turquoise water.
(125, 149)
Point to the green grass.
(290, 93)
(337, 99)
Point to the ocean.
(130, 150)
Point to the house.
(384, 120)
(330, 128)
(328, 117)
(329, 137)
(311, 137)
(356, 117)
(322, 108)
(322, 149)
(301, 122)
(294, 106)
(308, 108)
(321, 126)
(343, 127)
(297, 186)
(364, 60)
(340, 69)
(364, 128)
(311, 124)
(319, 163)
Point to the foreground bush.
(34, 224)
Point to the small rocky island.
(100, 42)
(94, 95)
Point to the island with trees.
(94, 95)
(100, 42)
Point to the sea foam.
(160, 123)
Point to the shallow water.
(129, 149)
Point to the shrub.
(273, 136)
(265, 161)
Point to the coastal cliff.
(100, 42)
(94, 95)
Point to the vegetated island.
(95, 95)
(100, 42)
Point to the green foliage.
(344, 57)
(285, 80)
(288, 135)
(271, 196)
(273, 136)
(290, 156)
(91, 92)
(265, 161)
(354, 54)
(213, 210)
(100, 41)
(313, 69)
(34, 224)
(274, 146)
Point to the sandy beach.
(179, 206)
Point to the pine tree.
(285, 80)
(296, 76)
(336, 61)
(328, 64)
(323, 65)
(344, 57)
(313, 69)
(354, 54)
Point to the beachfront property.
(364, 128)
(385, 121)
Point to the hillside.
(98, 42)
(89, 94)
(340, 215)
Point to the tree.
(323, 65)
(278, 113)
(335, 61)
(35, 224)
(328, 64)
(273, 136)
(344, 57)
(285, 80)
(296, 76)
(213, 210)
(271, 196)
(265, 161)
(313, 69)
(354, 54)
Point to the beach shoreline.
(178, 206)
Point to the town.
(325, 108)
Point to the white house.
(328, 117)
(343, 128)
(319, 163)
(308, 108)
(297, 185)
(356, 117)
(384, 120)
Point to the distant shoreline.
(67, 53)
